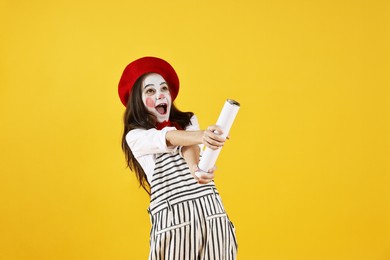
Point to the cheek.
(149, 102)
(168, 96)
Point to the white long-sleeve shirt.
(145, 144)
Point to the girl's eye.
(150, 91)
(164, 88)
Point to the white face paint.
(156, 96)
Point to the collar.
(166, 123)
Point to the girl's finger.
(213, 128)
(205, 175)
(204, 181)
(213, 144)
(212, 170)
(210, 141)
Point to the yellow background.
(306, 172)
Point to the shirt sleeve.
(194, 124)
(151, 141)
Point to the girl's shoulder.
(194, 124)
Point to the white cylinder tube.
(225, 122)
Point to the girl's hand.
(202, 177)
(211, 137)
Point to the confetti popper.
(225, 122)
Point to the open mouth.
(162, 108)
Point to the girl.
(161, 145)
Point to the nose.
(161, 96)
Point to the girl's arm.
(191, 156)
(189, 141)
(210, 138)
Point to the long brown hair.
(137, 116)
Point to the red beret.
(142, 66)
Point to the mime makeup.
(156, 96)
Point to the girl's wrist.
(201, 134)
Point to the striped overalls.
(188, 219)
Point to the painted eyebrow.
(162, 83)
(148, 85)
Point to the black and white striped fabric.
(188, 219)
